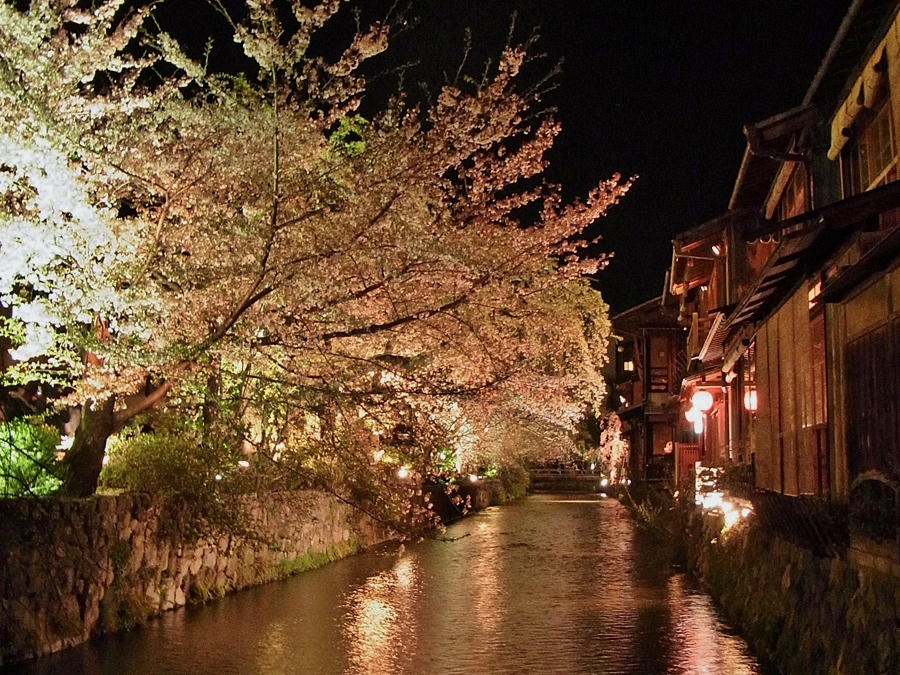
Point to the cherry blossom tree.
(164, 227)
(613, 449)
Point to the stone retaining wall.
(806, 614)
(72, 569)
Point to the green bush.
(165, 463)
(515, 479)
(27, 462)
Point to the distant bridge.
(567, 479)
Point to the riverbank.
(73, 569)
(547, 584)
(801, 612)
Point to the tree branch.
(122, 416)
(409, 318)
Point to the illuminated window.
(628, 365)
(814, 292)
(871, 159)
(793, 199)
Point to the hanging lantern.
(702, 399)
(693, 414)
(698, 426)
(751, 400)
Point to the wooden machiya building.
(792, 297)
(649, 365)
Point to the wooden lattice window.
(873, 401)
(872, 157)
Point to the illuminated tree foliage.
(613, 449)
(291, 279)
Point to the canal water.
(551, 584)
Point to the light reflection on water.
(548, 585)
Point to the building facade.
(649, 366)
(791, 298)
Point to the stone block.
(73, 559)
(209, 558)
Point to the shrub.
(165, 463)
(738, 480)
(27, 462)
(515, 479)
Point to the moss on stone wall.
(806, 614)
(71, 569)
(309, 561)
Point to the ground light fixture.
(710, 497)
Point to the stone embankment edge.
(804, 614)
(74, 569)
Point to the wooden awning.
(784, 270)
(711, 351)
(766, 140)
(807, 242)
(693, 259)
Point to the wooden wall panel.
(807, 459)
(788, 411)
(762, 429)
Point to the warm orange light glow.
(751, 400)
(702, 399)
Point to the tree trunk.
(84, 460)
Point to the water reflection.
(380, 625)
(701, 643)
(548, 585)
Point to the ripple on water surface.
(546, 585)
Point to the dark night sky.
(650, 87)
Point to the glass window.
(872, 160)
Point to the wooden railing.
(686, 454)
